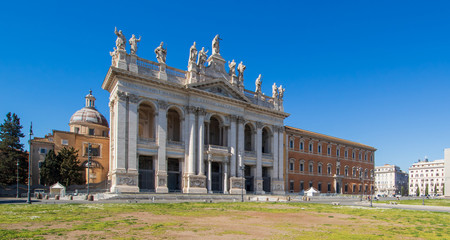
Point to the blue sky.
(375, 72)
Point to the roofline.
(331, 138)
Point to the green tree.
(426, 190)
(51, 169)
(11, 151)
(443, 188)
(417, 191)
(70, 167)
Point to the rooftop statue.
(232, 66)
(274, 90)
(193, 53)
(258, 84)
(281, 90)
(241, 69)
(202, 57)
(161, 53)
(121, 40)
(133, 44)
(215, 45)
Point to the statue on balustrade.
(161, 53)
(241, 69)
(258, 84)
(281, 91)
(215, 45)
(202, 57)
(232, 66)
(133, 43)
(193, 53)
(121, 40)
(274, 91)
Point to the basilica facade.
(193, 131)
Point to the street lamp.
(29, 167)
(88, 165)
(17, 187)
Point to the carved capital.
(121, 96)
(233, 118)
(259, 124)
(111, 104)
(191, 109)
(201, 111)
(163, 104)
(133, 98)
(241, 120)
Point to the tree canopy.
(63, 167)
(11, 151)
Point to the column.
(225, 178)
(241, 137)
(132, 132)
(275, 153)
(119, 129)
(280, 153)
(201, 145)
(209, 175)
(192, 138)
(232, 145)
(161, 178)
(258, 179)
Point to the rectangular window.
(291, 144)
(319, 149)
(291, 186)
(346, 154)
(301, 186)
(338, 171)
(310, 167)
(104, 134)
(91, 131)
(95, 150)
(310, 147)
(319, 187)
(64, 142)
(319, 169)
(329, 187)
(329, 151)
(301, 167)
(43, 151)
(310, 184)
(338, 153)
(291, 166)
(353, 155)
(301, 145)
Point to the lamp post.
(17, 187)
(88, 165)
(29, 167)
(242, 167)
(362, 183)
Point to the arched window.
(173, 126)
(146, 121)
(291, 164)
(301, 145)
(311, 167)
(346, 171)
(319, 168)
(248, 138)
(302, 165)
(266, 141)
(319, 148)
(329, 168)
(215, 132)
(311, 147)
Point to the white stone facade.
(447, 172)
(425, 173)
(195, 131)
(389, 180)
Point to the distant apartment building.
(426, 174)
(447, 173)
(389, 180)
(329, 164)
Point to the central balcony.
(217, 150)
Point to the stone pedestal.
(194, 184)
(278, 187)
(123, 182)
(121, 59)
(161, 180)
(259, 186)
(162, 71)
(133, 63)
(236, 185)
(216, 63)
(192, 72)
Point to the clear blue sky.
(375, 72)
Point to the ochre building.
(328, 164)
(87, 126)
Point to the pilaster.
(161, 171)
(258, 178)
(232, 145)
(240, 150)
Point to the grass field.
(428, 202)
(218, 221)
